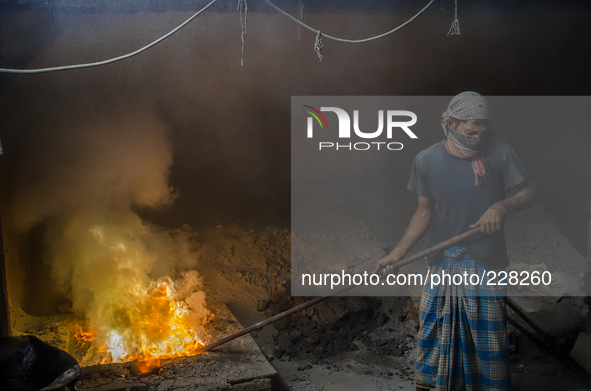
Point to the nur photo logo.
(391, 120)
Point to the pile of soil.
(342, 324)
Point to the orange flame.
(82, 335)
(156, 328)
(129, 321)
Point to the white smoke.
(82, 182)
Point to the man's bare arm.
(417, 227)
(492, 220)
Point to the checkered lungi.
(463, 339)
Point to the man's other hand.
(492, 220)
(385, 266)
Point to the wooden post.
(589, 241)
(5, 329)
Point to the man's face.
(471, 127)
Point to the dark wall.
(229, 125)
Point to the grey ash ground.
(350, 343)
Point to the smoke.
(100, 168)
(82, 182)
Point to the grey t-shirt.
(450, 182)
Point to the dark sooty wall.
(228, 125)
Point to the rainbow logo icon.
(316, 116)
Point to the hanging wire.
(242, 25)
(301, 17)
(112, 60)
(455, 25)
(349, 40)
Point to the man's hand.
(416, 229)
(385, 266)
(492, 220)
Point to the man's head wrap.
(467, 106)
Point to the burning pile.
(80, 186)
(130, 319)
(154, 326)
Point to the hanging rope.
(318, 46)
(455, 25)
(349, 40)
(112, 60)
(242, 25)
(301, 17)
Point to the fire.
(157, 328)
(136, 322)
(82, 335)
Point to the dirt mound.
(339, 324)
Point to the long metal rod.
(547, 344)
(527, 320)
(405, 261)
(555, 352)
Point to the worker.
(462, 183)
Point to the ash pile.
(386, 326)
